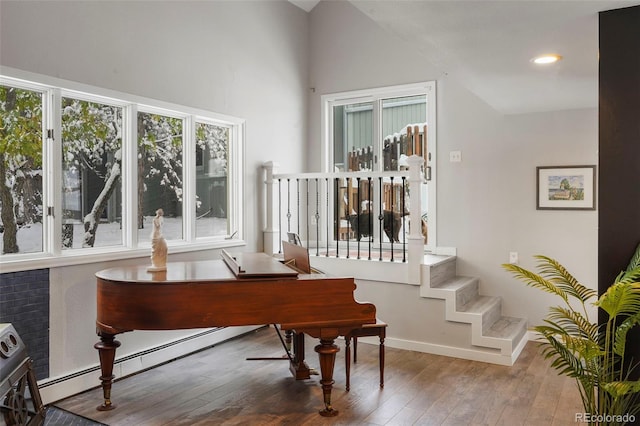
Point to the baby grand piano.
(248, 289)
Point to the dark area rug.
(58, 417)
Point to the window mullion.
(52, 170)
(130, 175)
(235, 181)
(377, 134)
(189, 178)
(431, 156)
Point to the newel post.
(271, 231)
(415, 239)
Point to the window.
(398, 114)
(159, 174)
(353, 136)
(212, 179)
(106, 163)
(377, 130)
(91, 174)
(21, 170)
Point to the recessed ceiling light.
(546, 59)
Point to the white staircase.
(463, 304)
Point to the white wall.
(486, 203)
(246, 59)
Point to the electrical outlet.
(513, 257)
(314, 221)
(455, 156)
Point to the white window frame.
(53, 90)
(376, 95)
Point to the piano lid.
(256, 265)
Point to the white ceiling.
(488, 45)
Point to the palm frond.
(620, 299)
(534, 280)
(629, 276)
(621, 388)
(551, 329)
(563, 358)
(620, 337)
(573, 322)
(635, 260)
(553, 271)
(586, 350)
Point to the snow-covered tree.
(159, 155)
(213, 139)
(20, 162)
(92, 140)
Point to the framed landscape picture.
(566, 188)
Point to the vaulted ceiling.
(488, 46)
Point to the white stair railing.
(330, 211)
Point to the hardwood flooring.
(218, 386)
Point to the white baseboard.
(493, 357)
(54, 389)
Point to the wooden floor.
(219, 386)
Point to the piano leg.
(287, 338)
(327, 353)
(298, 366)
(107, 351)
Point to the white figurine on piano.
(158, 245)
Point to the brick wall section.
(24, 302)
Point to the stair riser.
(467, 293)
(442, 272)
(491, 315)
(521, 334)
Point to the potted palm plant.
(592, 354)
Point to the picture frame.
(566, 187)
